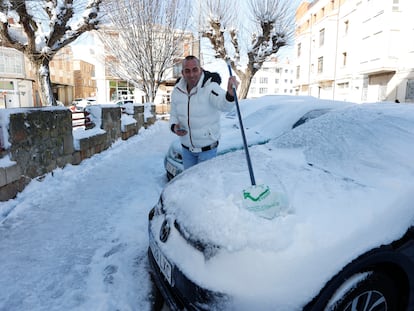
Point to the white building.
(355, 50)
(274, 78)
(16, 88)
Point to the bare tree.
(270, 26)
(46, 27)
(142, 38)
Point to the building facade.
(69, 78)
(62, 75)
(84, 79)
(16, 80)
(355, 50)
(274, 78)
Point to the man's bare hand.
(232, 82)
(178, 130)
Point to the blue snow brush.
(258, 199)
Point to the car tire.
(378, 292)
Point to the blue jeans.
(192, 158)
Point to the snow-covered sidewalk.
(77, 240)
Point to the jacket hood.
(206, 76)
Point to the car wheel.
(377, 292)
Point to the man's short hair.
(192, 57)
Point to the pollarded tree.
(270, 27)
(142, 38)
(46, 27)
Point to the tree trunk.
(244, 86)
(245, 80)
(43, 80)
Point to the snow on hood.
(348, 175)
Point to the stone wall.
(41, 140)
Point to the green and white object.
(266, 203)
(258, 199)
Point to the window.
(263, 80)
(344, 56)
(344, 85)
(297, 72)
(263, 90)
(395, 5)
(321, 37)
(276, 81)
(6, 85)
(320, 64)
(11, 62)
(409, 94)
(299, 49)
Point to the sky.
(77, 239)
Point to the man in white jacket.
(196, 102)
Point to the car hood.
(347, 175)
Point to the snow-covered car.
(263, 118)
(79, 104)
(345, 242)
(125, 105)
(122, 102)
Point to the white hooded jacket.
(199, 111)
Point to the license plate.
(162, 262)
(171, 169)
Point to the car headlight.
(175, 154)
(208, 249)
(157, 210)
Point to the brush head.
(263, 202)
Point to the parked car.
(126, 105)
(122, 102)
(264, 118)
(345, 242)
(79, 104)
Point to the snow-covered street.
(77, 240)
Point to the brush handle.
(246, 148)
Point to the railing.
(81, 119)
